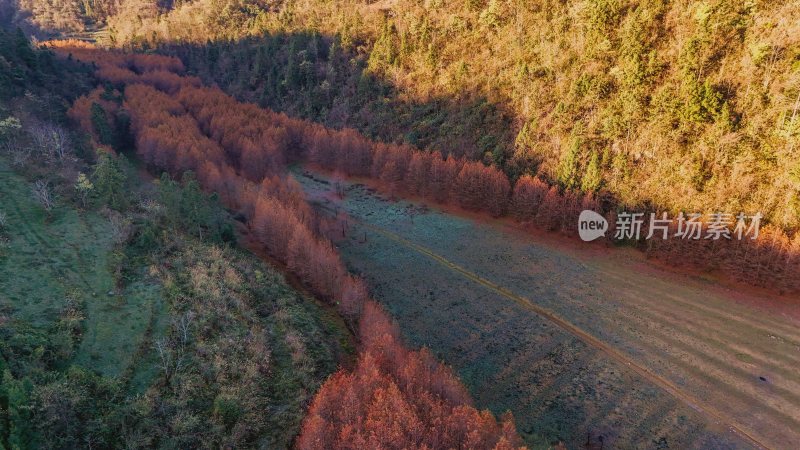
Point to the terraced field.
(581, 344)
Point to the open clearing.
(710, 367)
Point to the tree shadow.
(311, 76)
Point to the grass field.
(461, 287)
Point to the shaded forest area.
(239, 151)
(313, 76)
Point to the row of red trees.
(399, 399)
(395, 397)
(258, 142)
(771, 260)
(167, 137)
(88, 52)
(402, 169)
(120, 69)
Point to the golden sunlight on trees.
(698, 96)
(395, 398)
(209, 132)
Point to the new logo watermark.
(592, 225)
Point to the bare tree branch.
(43, 194)
(183, 326)
(19, 154)
(121, 227)
(51, 140)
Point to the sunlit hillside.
(686, 105)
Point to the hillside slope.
(681, 105)
(124, 331)
(128, 315)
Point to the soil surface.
(582, 345)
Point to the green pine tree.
(592, 177)
(24, 50)
(100, 124)
(16, 397)
(194, 208)
(109, 180)
(169, 195)
(567, 173)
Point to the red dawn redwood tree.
(470, 190)
(353, 153)
(548, 213)
(380, 157)
(274, 226)
(567, 214)
(529, 193)
(416, 179)
(396, 398)
(442, 176)
(498, 188)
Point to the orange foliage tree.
(396, 398)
